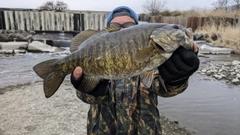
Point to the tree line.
(51, 5)
(152, 7)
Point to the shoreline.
(25, 110)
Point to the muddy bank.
(25, 110)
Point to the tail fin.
(53, 76)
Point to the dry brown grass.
(230, 35)
(212, 13)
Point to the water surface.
(208, 106)
(17, 69)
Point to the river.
(207, 107)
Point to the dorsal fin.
(80, 38)
(112, 28)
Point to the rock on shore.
(23, 47)
(37, 46)
(13, 47)
(230, 72)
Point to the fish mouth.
(159, 48)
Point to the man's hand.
(181, 65)
(77, 73)
(77, 77)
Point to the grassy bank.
(223, 23)
(212, 13)
(228, 35)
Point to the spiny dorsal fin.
(80, 38)
(112, 28)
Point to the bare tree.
(50, 5)
(154, 7)
(220, 4)
(60, 5)
(236, 4)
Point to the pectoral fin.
(143, 55)
(88, 83)
(147, 78)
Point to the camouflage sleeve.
(97, 95)
(164, 90)
(93, 97)
(90, 99)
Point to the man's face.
(122, 21)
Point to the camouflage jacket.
(128, 108)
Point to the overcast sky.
(108, 5)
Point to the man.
(126, 106)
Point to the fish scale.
(115, 54)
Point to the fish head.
(170, 37)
